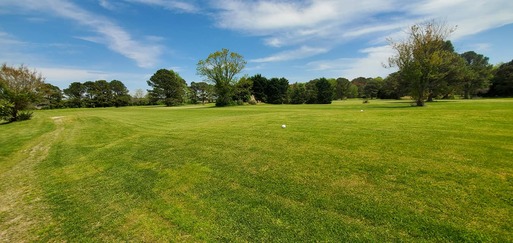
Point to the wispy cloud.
(63, 76)
(283, 23)
(184, 6)
(108, 32)
(303, 52)
(370, 65)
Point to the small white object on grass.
(361, 110)
(283, 126)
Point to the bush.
(24, 115)
(6, 108)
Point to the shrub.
(24, 115)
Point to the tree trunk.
(420, 102)
(430, 97)
(466, 95)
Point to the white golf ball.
(361, 110)
(283, 126)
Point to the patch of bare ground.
(22, 211)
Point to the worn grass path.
(22, 212)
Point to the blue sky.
(129, 40)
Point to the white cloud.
(371, 65)
(64, 76)
(303, 52)
(109, 33)
(184, 6)
(471, 17)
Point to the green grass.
(197, 173)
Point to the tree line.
(428, 69)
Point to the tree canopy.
(422, 57)
(220, 68)
(19, 89)
(168, 87)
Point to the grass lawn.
(391, 172)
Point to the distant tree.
(139, 97)
(360, 83)
(103, 93)
(421, 57)
(19, 90)
(353, 91)
(90, 94)
(168, 87)
(502, 82)
(75, 95)
(297, 93)
(324, 91)
(243, 89)
(372, 88)
(220, 68)
(202, 91)
(342, 86)
(120, 96)
(478, 75)
(259, 85)
(392, 87)
(276, 90)
(51, 96)
(311, 92)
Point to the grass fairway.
(391, 172)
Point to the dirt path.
(21, 208)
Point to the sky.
(129, 40)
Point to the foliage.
(276, 90)
(242, 89)
(360, 83)
(120, 96)
(342, 86)
(75, 95)
(139, 97)
(202, 91)
(297, 93)
(220, 68)
(372, 88)
(479, 73)
(421, 58)
(324, 91)
(168, 87)
(6, 108)
(502, 82)
(259, 86)
(51, 96)
(20, 88)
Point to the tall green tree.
(202, 91)
(19, 89)
(342, 86)
(297, 93)
(168, 87)
(324, 91)
(502, 82)
(220, 68)
(242, 89)
(421, 58)
(259, 85)
(75, 94)
(373, 87)
(479, 73)
(120, 96)
(276, 90)
(51, 96)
